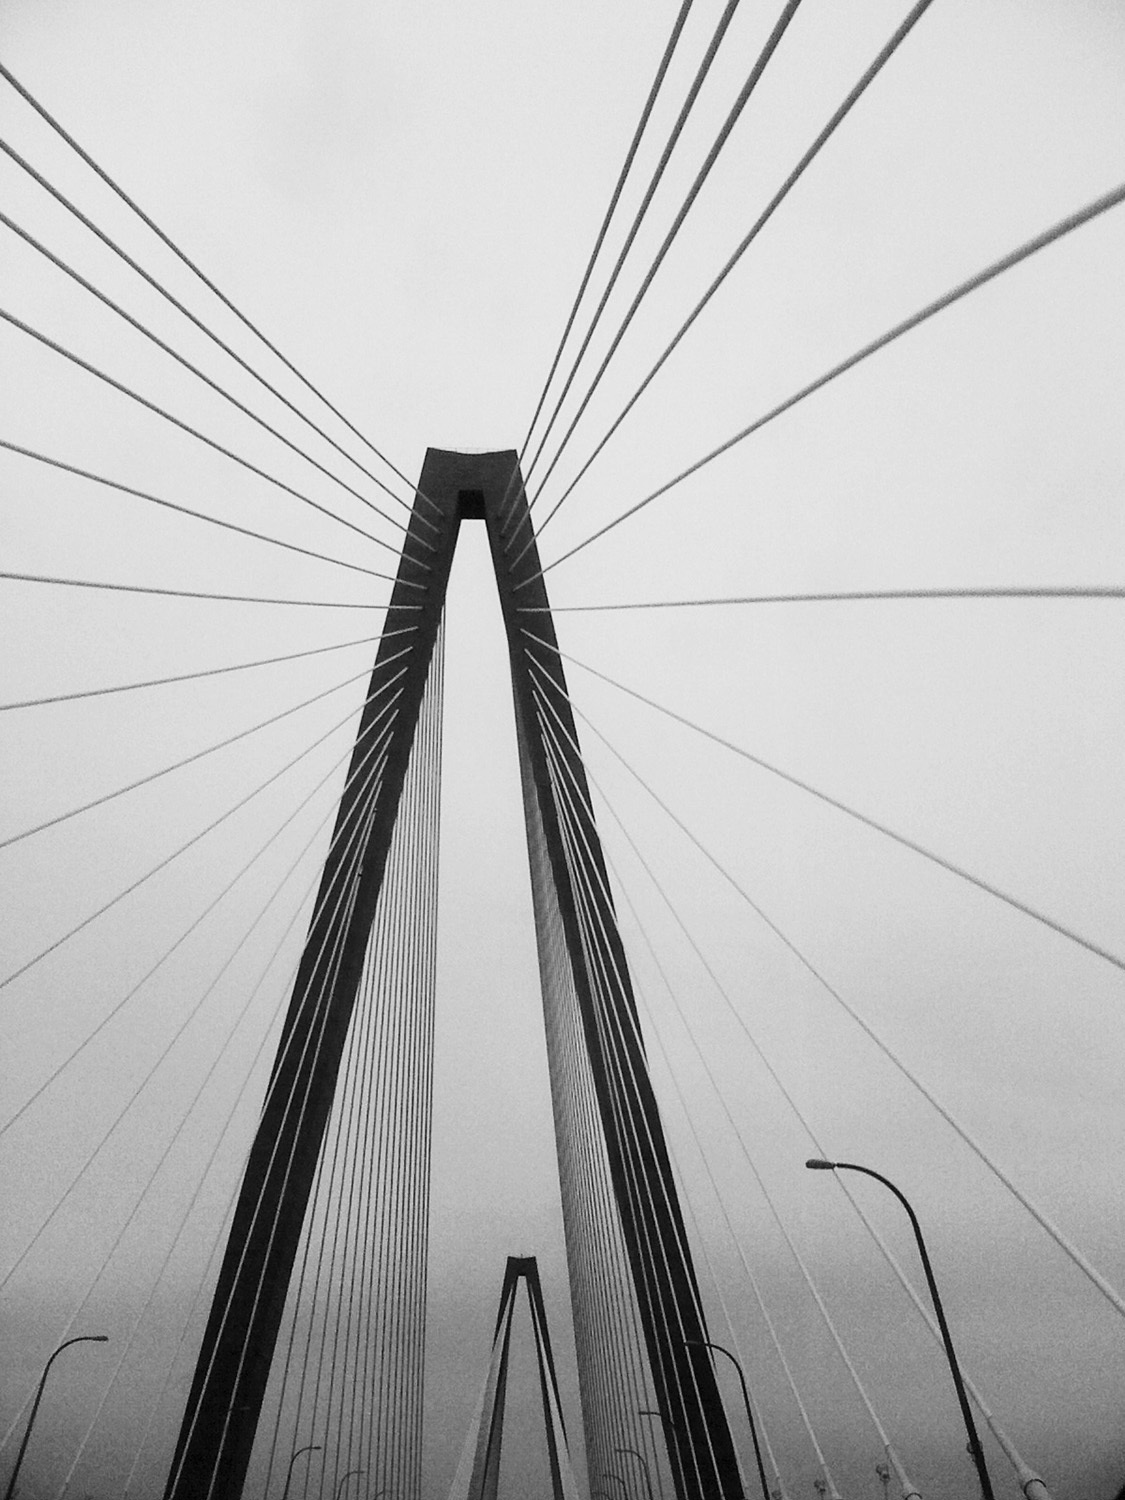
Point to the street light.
(343, 1482)
(706, 1344)
(83, 1338)
(817, 1165)
(308, 1448)
(641, 1459)
(668, 1423)
(609, 1474)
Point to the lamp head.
(816, 1164)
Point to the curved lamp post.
(343, 1482)
(817, 1165)
(84, 1338)
(308, 1448)
(644, 1466)
(609, 1474)
(706, 1344)
(666, 1423)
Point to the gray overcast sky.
(404, 196)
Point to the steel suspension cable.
(399, 1164)
(1024, 1473)
(614, 1355)
(135, 588)
(70, 1323)
(311, 1216)
(639, 1189)
(397, 965)
(298, 1279)
(360, 1376)
(400, 967)
(380, 965)
(337, 902)
(670, 145)
(593, 919)
(894, 1457)
(402, 1183)
(589, 1219)
(144, 1190)
(758, 1422)
(357, 842)
(151, 1179)
(375, 750)
(195, 838)
(884, 56)
(628, 1358)
(1028, 1479)
(381, 955)
(326, 990)
(179, 764)
(830, 1482)
(198, 676)
(376, 1351)
(678, 1176)
(394, 890)
(802, 1266)
(1057, 231)
(364, 824)
(1070, 1250)
(371, 1100)
(184, 510)
(321, 1190)
(201, 325)
(274, 1018)
(338, 1133)
(642, 932)
(429, 1025)
(193, 369)
(617, 1353)
(654, 90)
(571, 1095)
(860, 817)
(177, 1034)
(217, 1240)
(359, 1193)
(1017, 591)
(424, 980)
(182, 426)
(30, 99)
(417, 1174)
(772, 42)
(677, 1334)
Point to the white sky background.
(404, 197)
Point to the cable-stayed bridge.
(817, 809)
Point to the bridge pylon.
(616, 1178)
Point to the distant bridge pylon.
(478, 1474)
